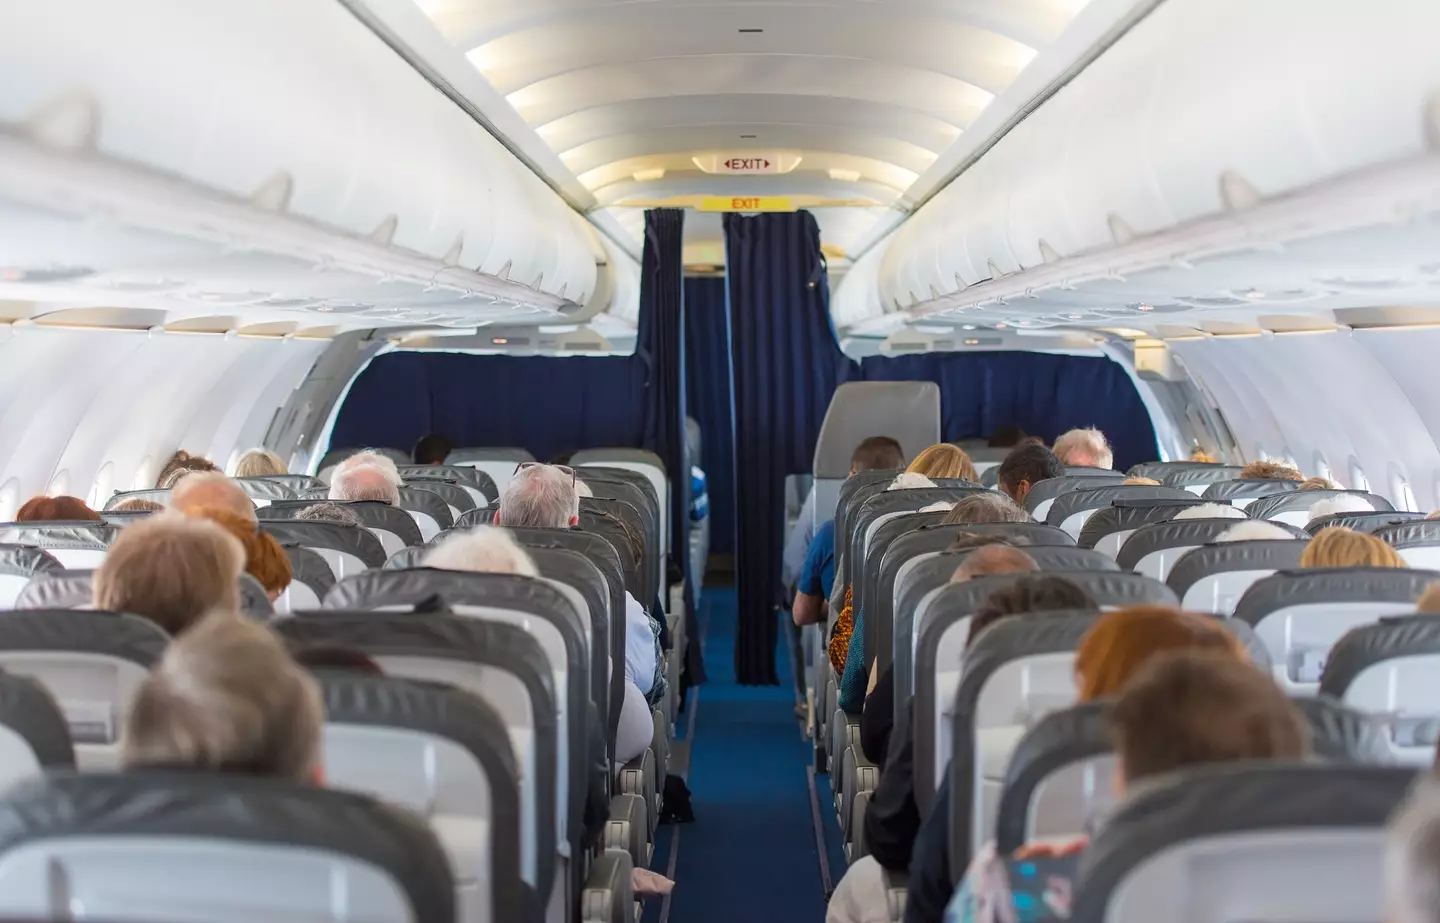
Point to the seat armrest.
(609, 896)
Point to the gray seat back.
(1362, 522)
(1391, 669)
(70, 589)
(34, 737)
(627, 495)
(311, 579)
(90, 663)
(884, 507)
(1212, 578)
(1340, 733)
(1043, 493)
(1108, 529)
(1198, 476)
(1417, 541)
(458, 498)
(501, 663)
(1242, 492)
(79, 545)
(1279, 841)
(19, 564)
(264, 491)
(392, 525)
(429, 510)
(348, 549)
(640, 461)
(297, 483)
(853, 493)
(1294, 506)
(443, 754)
(1072, 509)
(478, 484)
(906, 411)
(208, 848)
(497, 463)
(1154, 549)
(1300, 615)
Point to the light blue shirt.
(797, 546)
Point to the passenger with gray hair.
(482, 550)
(1412, 858)
(989, 506)
(328, 511)
(1085, 448)
(369, 458)
(1251, 530)
(364, 482)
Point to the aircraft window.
(59, 484)
(141, 480)
(1400, 493)
(1322, 468)
(103, 486)
(9, 499)
(1358, 480)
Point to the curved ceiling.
(867, 95)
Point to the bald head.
(365, 482)
(210, 490)
(991, 560)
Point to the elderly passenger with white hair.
(1210, 511)
(1340, 503)
(369, 458)
(1085, 448)
(1252, 530)
(364, 482)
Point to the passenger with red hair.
(265, 558)
(56, 509)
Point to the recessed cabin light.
(743, 137)
(499, 341)
(751, 31)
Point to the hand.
(646, 883)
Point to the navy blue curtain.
(785, 365)
(707, 384)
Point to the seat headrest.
(266, 489)
(1070, 735)
(461, 474)
(1331, 585)
(906, 411)
(427, 502)
(1303, 500)
(1343, 734)
(28, 709)
(253, 810)
(27, 561)
(468, 455)
(95, 536)
(1361, 522)
(1367, 645)
(1108, 588)
(1256, 554)
(1180, 533)
(372, 514)
(1128, 516)
(79, 631)
(310, 569)
(71, 589)
(1410, 534)
(1197, 473)
(588, 457)
(254, 601)
(337, 536)
(1101, 495)
(295, 482)
(160, 495)
(374, 589)
(1248, 488)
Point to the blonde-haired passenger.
(944, 461)
(1429, 602)
(1338, 546)
(227, 697)
(172, 570)
(1317, 483)
(1142, 482)
(259, 463)
(1085, 448)
(1270, 471)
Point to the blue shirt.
(699, 497)
(817, 576)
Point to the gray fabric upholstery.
(1247, 489)
(1391, 668)
(71, 589)
(425, 505)
(1362, 522)
(372, 514)
(73, 544)
(1297, 503)
(457, 496)
(907, 411)
(1178, 534)
(1069, 507)
(1212, 578)
(1197, 473)
(28, 710)
(1125, 517)
(355, 542)
(159, 495)
(463, 475)
(267, 489)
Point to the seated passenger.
(1209, 511)
(432, 449)
(137, 505)
(1007, 436)
(259, 463)
(1181, 709)
(482, 550)
(1412, 857)
(1337, 546)
(181, 464)
(56, 509)
(321, 657)
(1429, 601)
(328, 512)
(986, 507)
(265, 558)
(170, 569)
(1142, 482)
(1270, 471)
(364, 482)
(1112, 651)
(1341, 503)
(944, 462)
(1025, 467)
(369, 458)
(227, 697)
(1198, 454)
(213, 491)
(1084, 448)
(878, 453)
(908, 480)
(1317, 483)
(1254, 530)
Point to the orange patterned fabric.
(840, 634)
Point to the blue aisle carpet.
(751, 853)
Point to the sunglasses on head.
(563, 469)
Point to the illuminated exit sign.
(769, 203)
(747, 162)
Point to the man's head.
(1270, 471)
(1037, 593)
(372, 459)
(364, 482)
(1084, 448)
(985, 507)
(991, 560)
(432, 449)
(328, 512)
(1006, 437)
(1412, 857)
(483, 550)
(211, 490)
(540, 497)
(1193, 708)
(1025, 467)
(171, 569)
(878, 453)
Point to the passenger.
(364, 482)
(1209, 511)
(1198, 454)
(432, 449)
(1412, 857)
(1084, 448)
(259, 463)
(1270, 471)
(368, 458)
(137, 505)
(944, 461)
(1317, 484)
(1341, 503)
(1337, 546)
(1025, 467)
(1007, 436)
(328, 512)
(227, 697)
(909, 480)
(1028, 594)
(1254, 530)
(181, 464)
(56, 509)
(265, 558)
(320, 657)
(1142, 482)
(878, 453)
(985, 507)
(170, 569)
(1429, 602)
(1114, 652)
(482, 550)
(211, 490)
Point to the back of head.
(878, 453)
(985, 507)
(1121, 642)
(1141, 482)
(1317, 484)
(259, 463)
(1194, 708)
(1029, 464)
(1412, 857)
(265, 558)
(1085, 448)
(180, 465)
(482, 550)
(227, 697)
(1338, 546)
(968, 540)
(990, 560)
(369, 458)
(328, 512)
(364, 482)
(1270, 471)
(1209, 511)
(137, 505)
(540, 497)
(1340, 503)
(56, 509)
(1005, 437)
(1251, 530)
(944, 461)
(909, 480)
(171, 569)
(1198, 454)
(1028, 594)
(211, 490)
(1429, 601)
(432, 449)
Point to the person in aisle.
(877, 453)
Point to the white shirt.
(641, 659)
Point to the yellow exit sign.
(746, 204)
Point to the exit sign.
(747, 162)
(770, 203)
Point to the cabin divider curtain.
(707, 373)
(785, 366)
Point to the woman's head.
(171, 569)
(265, 559)
(1337, 546)
(944, 461)
(259, 463)
(1270, 471)
(1028, 594)
(227, 697)
(985, 507)
(1121, 642)
(1317, 484)
(181, 464)
(56, 509)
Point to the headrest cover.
(1361, 522)
(27, 561)
(1258, 554)
(307, 567)
(125, 637)
(374, 589)
(71, 589)
(27, 709)
(72, 535)
(1331, 585)
(1410, 534)
(1129, 517)
(1266, 507)
(613, 455)
(1178, 534)
(266, 489)
(1198, 473)
(1251, 487)
(1098, 497)
(907, 411)
(1342, 734)
(490, 453)
(1367, 645)
(337, 536)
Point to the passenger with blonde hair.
(259, 463)
(1198, 454)
(170, 569)
(227, 697)
(265, 558)
(1270, 471)
(944, 461)
(1429, 602)
(1317, 483)
(1337, 546)
(1141, 482)
(211, 490)
(137, 505)
(1084, 448)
